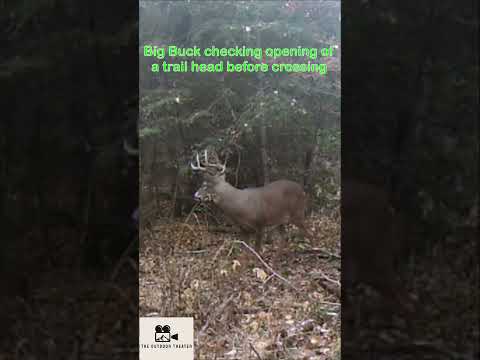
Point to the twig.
(266, 265)
(325, 276)
(215, 314)
(268, 279)
(255, 351)
(217, 253)
(185, 225)
(191, 212)
(325, 252)
(194, 252)
(230, 250)
(329, 303)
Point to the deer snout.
(197, 196)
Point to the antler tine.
(218, 166)
(198, 166)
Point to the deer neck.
(229, 198)
(225, 193)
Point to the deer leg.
(271, 231)
(245, 236)
(283, 235)
(269, 236)
(283, 243)
(258, 239)
(303, 228)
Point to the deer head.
(213, 175)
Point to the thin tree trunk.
(310, 159)
(263, 127)
(263, 152)
(181, 153)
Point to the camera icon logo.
(162, 334)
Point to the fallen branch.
(266, 265)
(195, 252)
(325, 252)
(335, 290)
(325, 276)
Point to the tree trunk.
(263, 152)
(263, 127)
(311, 158)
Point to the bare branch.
(266, 265)
(255, 351)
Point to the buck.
(253, 209)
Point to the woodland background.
(241, 115)
(268, 127)
(409, 114)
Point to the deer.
(276, 204)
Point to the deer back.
(282, 201)
(276, 203)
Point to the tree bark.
(263, 152)
(311, 158)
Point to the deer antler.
(216, 165)
(198, 166)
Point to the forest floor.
(285, 305)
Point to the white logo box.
(166, 338)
